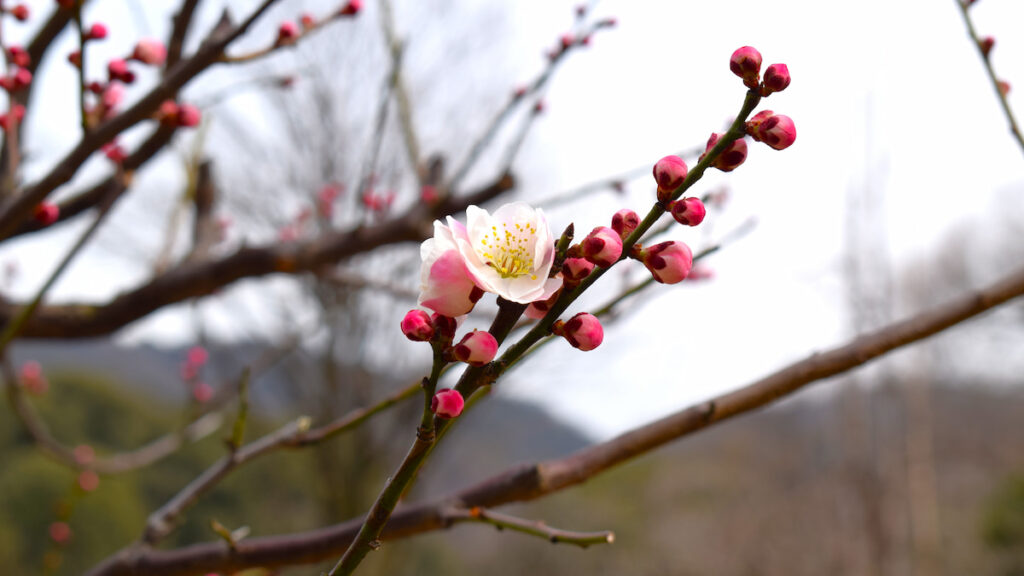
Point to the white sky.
(658, 83)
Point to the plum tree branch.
(528, 482)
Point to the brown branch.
(195, 279)
(15, 210)
(181, 24)
(529, 527)
(528, 482)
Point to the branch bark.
(528, 482)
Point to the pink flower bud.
(84, 454)
(669, 262)
(669, 173)
(96, 32)
(688, 211)
(602, 246)
(60, 532)
(22, 78)
(114, 152)
(149, 51)
(567, 40)
(417, 327)
(731, 158)
(476, 348)
(287, 32)
(197, 356)
(88, 480)
(19, 56)
(447, 403)
(776, 79)
(188, 116)
(47, 213)
(582, 331)
(1004, 87)
(202, 392)
(352, 8)
(112, 96)
(746, 63)
(307, 21)
(32, 380)
(428, 194)
(168, 112)
(624, 222)
(576, 269)
(775, 130)
(117, 69)
(20, 12)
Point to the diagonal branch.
(528, 482)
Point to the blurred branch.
(529, 527)
(997, 84)
(182, 23)
(194, 279)
(528, 482)
(352, 280)
(401, 91)
(14, 210)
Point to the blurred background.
(904, 188)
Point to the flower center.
(510, 250)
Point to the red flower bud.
(776, 79)
(986, 44)
(19, 56)
(188, 116)
(582, 331)
(775, 130)
(444, 326)
(576, 269)
(417, 327)
(746, 63)
(20, 12)
(602, 246)
(447, 403)
(96, 32)
(688, 211)
(476, 348)
(47, 213)
(669, 262)
(287, 32)
(624, 222)
(731, 158)
(669, 173)
(352, 8)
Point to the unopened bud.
(731, 158)
(669, 173)
(96, 32)
(746, 63)
(287, 32)
(444, 326)
(669, 262)
(602, 246)
(352, 8)
(624, 222)
(149, 51)
(582, 331)
(775, 130)
(776, 79)
(476, 348)
(539, 309)
(688, 211)
(447, 403)
(576, 269)
(986, 44)
(47, 213)
(417, 327)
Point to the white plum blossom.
(509, 253)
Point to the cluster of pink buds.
(32, 379)
(377, 202)
(19, 56)
(583, 331)
(745, 62)
(181, 115)
(775, 130)
(17, 80)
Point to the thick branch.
(195, 279)
(528, 482)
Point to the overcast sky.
(887, 94)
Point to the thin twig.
(529, 527)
